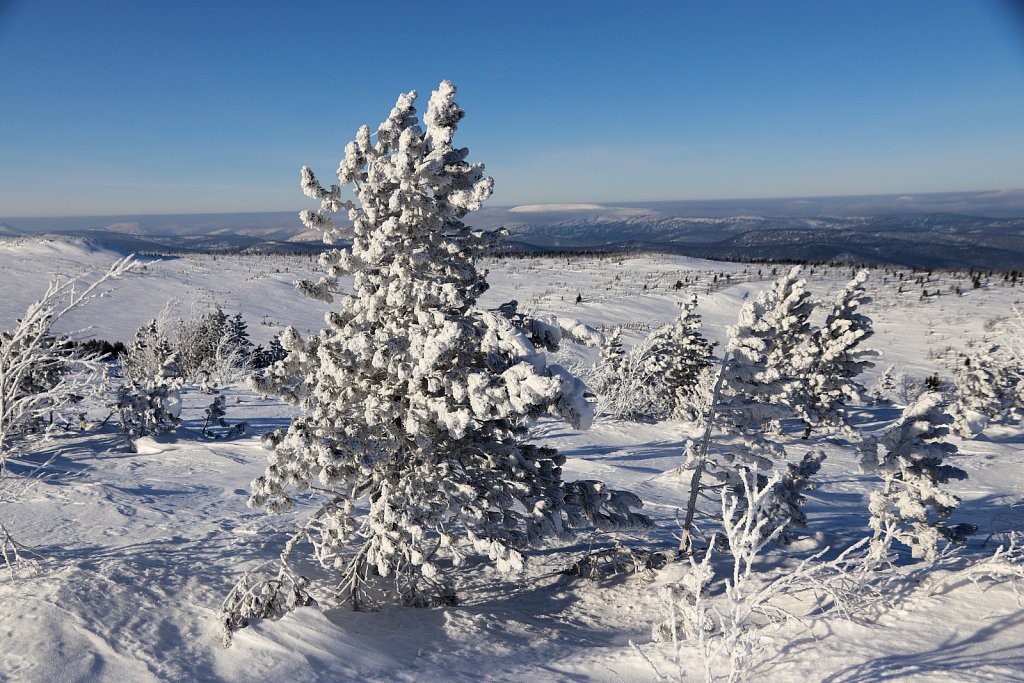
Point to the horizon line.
(602, 203)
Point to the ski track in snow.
(137, 550)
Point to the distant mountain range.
(975, 230)
(924, 240)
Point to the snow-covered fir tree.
(214, 348)
(979, 394)
(624, 381)
(677, 356)
(197, 340)
(147, 352)
(703, 394)
(149, 401)
(912, 506)
(785, 504)
(657, 377)
(884, 387)
(610, 362)
(265, 357)
(150, 405)
(630, 386)
(237, 336)
(837, 357)
(414, 402)
(754, 386)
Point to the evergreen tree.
(836, 359)
(197, 341)
(912, 507)
(978, 394)
(264, 358)
(885, 386)
(237, 337)
(414, 401)
(785, 504)
(611, 362)
(151, 405)
(789, 318)
(978, 384)
(753, 393)
(628, 383)
(677, 356)
(147, 353)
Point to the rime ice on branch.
(40, 376)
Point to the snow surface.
(137, 550)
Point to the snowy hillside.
(134, 552)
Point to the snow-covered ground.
(136, 551)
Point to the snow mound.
(66, 249)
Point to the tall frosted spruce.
(413, 400)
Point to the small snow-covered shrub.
(40, 376)
(657, 378)
(150, 405)
(898, 387)
(626, 382)
(215, 417)
(254, 597)
(725, 627)
(885, 384)
(146, 354)
(988, 390)
(214, 348)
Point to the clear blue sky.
(147, 106)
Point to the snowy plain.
(137, 550)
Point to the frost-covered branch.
(40, 375)
(725, 628)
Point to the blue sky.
(113, 107)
